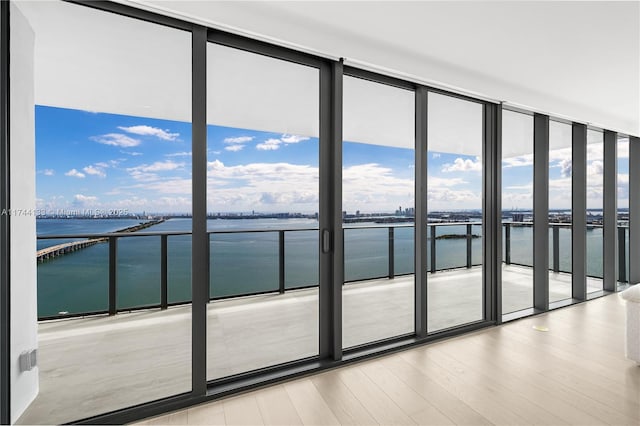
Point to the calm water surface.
(246, 262)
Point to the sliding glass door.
(455, 212)
(378, 212)
(262, 209)
(595, 204)
(113, 189)
(560, 211)
(517, 211)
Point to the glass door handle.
(326, 241)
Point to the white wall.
(24, 305)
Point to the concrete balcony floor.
(90, 366)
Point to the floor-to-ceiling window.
(113, 143)
(378, 211)
(517, 211)
(595, 185)
(262, 207)
(454, 203)
(623, 209)
(560, 213)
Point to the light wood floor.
(575, 373)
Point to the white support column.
(23, 279)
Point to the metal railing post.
(210, 271)
(622, 252)
(469, 248)
(507, 243)
(163, 272)
(391, 252)
(281, 261)
(433, 248)
(556, 248)
(113, 274)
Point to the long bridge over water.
(52, 252)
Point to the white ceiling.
(101, 62)
(579, 60)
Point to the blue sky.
(99, 161)
(88, 160)
(517, 176)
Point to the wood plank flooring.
(574, 374)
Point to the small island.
(455, 236)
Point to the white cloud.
(151, 131)
(75, 173)
(134, 203)
(523, 187)
(434, 181)
(82, 200)
(94, 171)
(239, 139)
(519, 161)
(47, 172)
(623, 189)
(273, 144)
(267, 186)
(159, 204)
(595, 151)
(522, 200)
(463, 165)
(594, 193)
(436, 155)
(116, 139)
(156, 204)
(559, 154)
(623, 148)
(595, 169)
(158, 166)
(132, 153)
(293, 138)
(215, 165)
(148, 172)
(179, 154)
(372, 187)
(269, 145)
(142, 176)
(565, 168)
(452, 198)
(562, 185)
(234, 148)
(169, 186)
(368, 187)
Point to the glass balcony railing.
(121, 272)
(517, 247)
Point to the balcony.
(117, 370)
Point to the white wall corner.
(24, 302)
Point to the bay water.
(244, 262)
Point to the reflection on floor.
(573, 374)
(95, 365)
(517, 287)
